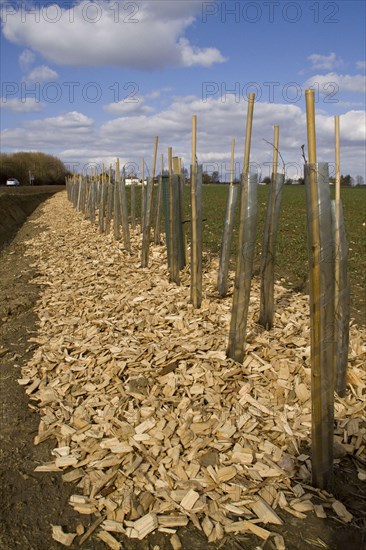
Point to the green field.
(292, 252)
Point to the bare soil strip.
(152, 422)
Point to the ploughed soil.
(31, 502)
(17, 203)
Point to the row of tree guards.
(329, 290)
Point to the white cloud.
(348, 104)
(26, 59)
(126, 108)
(131, 136)
(354, 126)
(41, 74)
(156, 94)
(68, 121)
(199, 56)
(50, 133)
(26, 105)
(361, 65)
(103, 34)
(327, 83)
(327, 62)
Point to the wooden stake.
(173, 244)
(341, 286)
(178, 170)
(110, 201)
(337, 159)
(124, 209)
(149, 204)
(143, 196)
(337, 265)
(269, 240)
(228, 229)
(310, 121)
(196, 259)
(133, 204)
(247, 230)
(248, 135)
(116, 205)
(276, 138)
(102, 201)
(322, 374)
(158, 205)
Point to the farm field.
(292, 252)
(28, 513)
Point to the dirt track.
(17, 203)
(32, 502)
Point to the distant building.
(132, 181)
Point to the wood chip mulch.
(153, 423)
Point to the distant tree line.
(35, 168)
(349, 181)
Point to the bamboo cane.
(116, 206)
(176, 165)
(337, 159)
(143, 196)
(124, 209)
(337, 266)
(92, 202)
(322, 373)
(182, 229)
(109, 202)
(269, 240)
(102, 201)
(276, 138)
(149, 203)
(173, 244)
(248, 135)
(196, 245)
(244, 268)
(158, 205)
(133, 205)
(87, 197)
(79, 194)
(228, 229)
(341, 288)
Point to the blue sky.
(90, 81)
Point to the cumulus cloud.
(131, 135)
(50, 133)
(26, 59)
(128, 107)
(41, 74)
(199, 56)
(17, 105)
(156, 94)
(361, 65)
(69, 121)
(327, 62)
(340, 82)
(151, 36)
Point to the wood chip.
(342, 511)
(143, 526)
(247, 526)
(175, 542)
(265, 513)
(151, 419)
(189, 500)
(109, 540)
(63, 538)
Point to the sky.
(92, 81)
